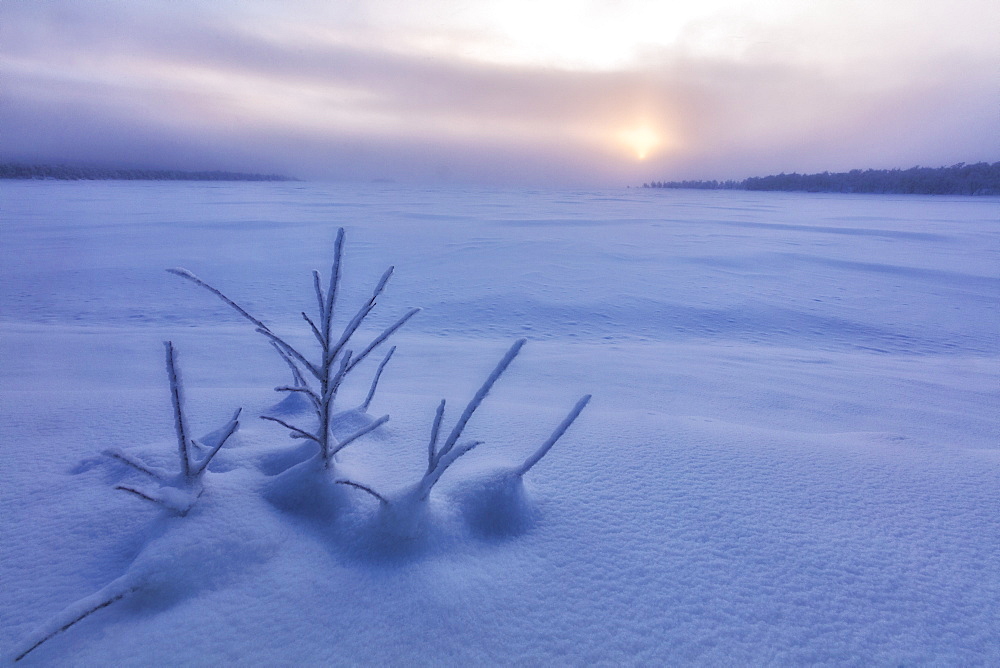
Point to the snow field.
(791, 454)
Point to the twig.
(378, 374)
(300, 432)
(320, 300)
(358, 434)
(134, 463)
(315, 331)
(456, 432)
(103, 604)
(383, 336)
(184, 273)
(231, 428)
(364, 488)
(176, 399)
(435, 430)
(556, 435)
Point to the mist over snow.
(508, 92)
(790, 457)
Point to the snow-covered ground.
(792, 454)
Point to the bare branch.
(315, 331)
(313, 397)
(556, 435)
(320, 299)
(444, 461)
(184, 273)
(358, 434)
(86, 613)
(364, 488)
(301, 433)
(141, 495)
(331, 291)
(230, 429)
(384, 335)
(338, 377)
(378, 374)
(359, 317)
(128, 460)
(179, 423)
(435, 430)
(456, 433)
(277, 340)
(297, 376)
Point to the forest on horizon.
(981, 178)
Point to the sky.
(507, 92)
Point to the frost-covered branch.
(184, 273)
(176, 399)
(295, 430)
(378, 374)
(77, 612)
(364, 488)
(556, 435)
(473, 404)
(129, 460)
(179, 493)
(335, 359)
(358, 434)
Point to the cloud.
(257, 86)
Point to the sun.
(641, 140)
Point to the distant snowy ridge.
(67, 173)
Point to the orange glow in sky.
(641, 140)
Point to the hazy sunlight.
(641, 140)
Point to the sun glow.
(641, 140)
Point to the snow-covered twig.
(179, 493)
(363, 488)
(295, 430)
(474, 403)
(358, 434)
(378, 374)
(335, 360)
(129, 460)
(79, 611)
(556, 435)
(179, 423)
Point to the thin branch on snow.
(556, 435)
(297, 376)
(78, 618)
(128, 460)
(378, 374)
(435, 430)
(300, 432)
(313, 397)
(358, 434)
(184, 273)
(363, 488)
(315, 330)
(287, 347)
(229, 430)
(442, 464)
(141, 495)
(389, 331)
(474, 403)
(331, 290)
(320, 299)
(179, 423)
(336, 359)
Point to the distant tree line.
(81, 173)
(981, 178)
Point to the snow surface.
(792, 454)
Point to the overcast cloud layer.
(598, 93)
